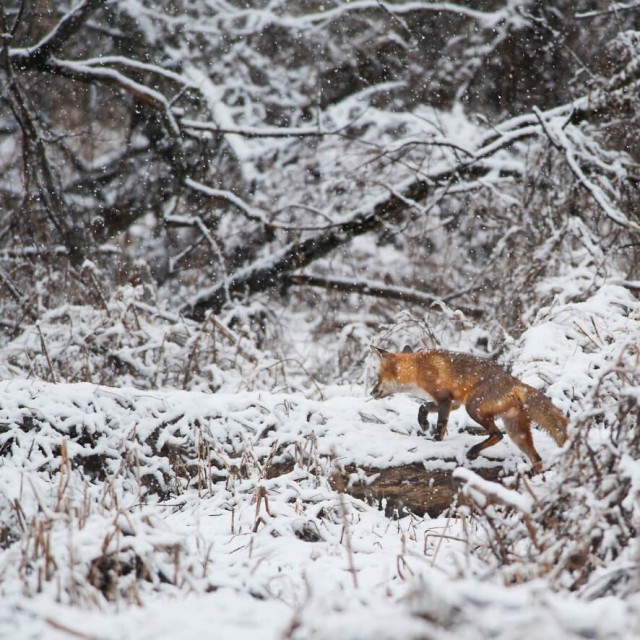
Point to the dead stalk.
(346, 537)
(46, 353)
(441, 540)
(65, 474)
(260, 496)
(59, 626)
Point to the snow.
(486, 490)
(240, 552)
(257, 579)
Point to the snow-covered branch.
(568, 139)
(272, 272)
(255, 132)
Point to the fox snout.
(386, 374)
(379, 391)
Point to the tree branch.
(70, 24)
(272, 273)
(147, 95)
(379, 290)
(36, 164)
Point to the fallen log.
(408, 488)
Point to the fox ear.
(381, 353)
(407, 349)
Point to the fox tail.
(547, 415)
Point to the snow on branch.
(255, 132)
(613, 9)
(568, 139)
(244, 21)
(138, 65)
(222, 194)
(152, 97)
(484, 492)
(273, 271)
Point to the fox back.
(437, 374)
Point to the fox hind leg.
(516, 420)
(487, 420)
(518, 426)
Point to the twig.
(616, 7)
(261, 494)
(441, 540)
(346, 536)
(46, 353)
(265, 132)
(72, 632)
(59, 35)
(227, 196)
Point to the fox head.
(388, 381)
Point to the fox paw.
(473, 453)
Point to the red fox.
(487, 391)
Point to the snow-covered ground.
(138, 513)
(236, 553)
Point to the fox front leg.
(423, 414)
(443, 408)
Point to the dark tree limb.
(273, 273)
(70, 24)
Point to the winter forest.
(210, 210)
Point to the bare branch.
(198, 223)
(380, 290)
(13, 289)
(36, 163)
